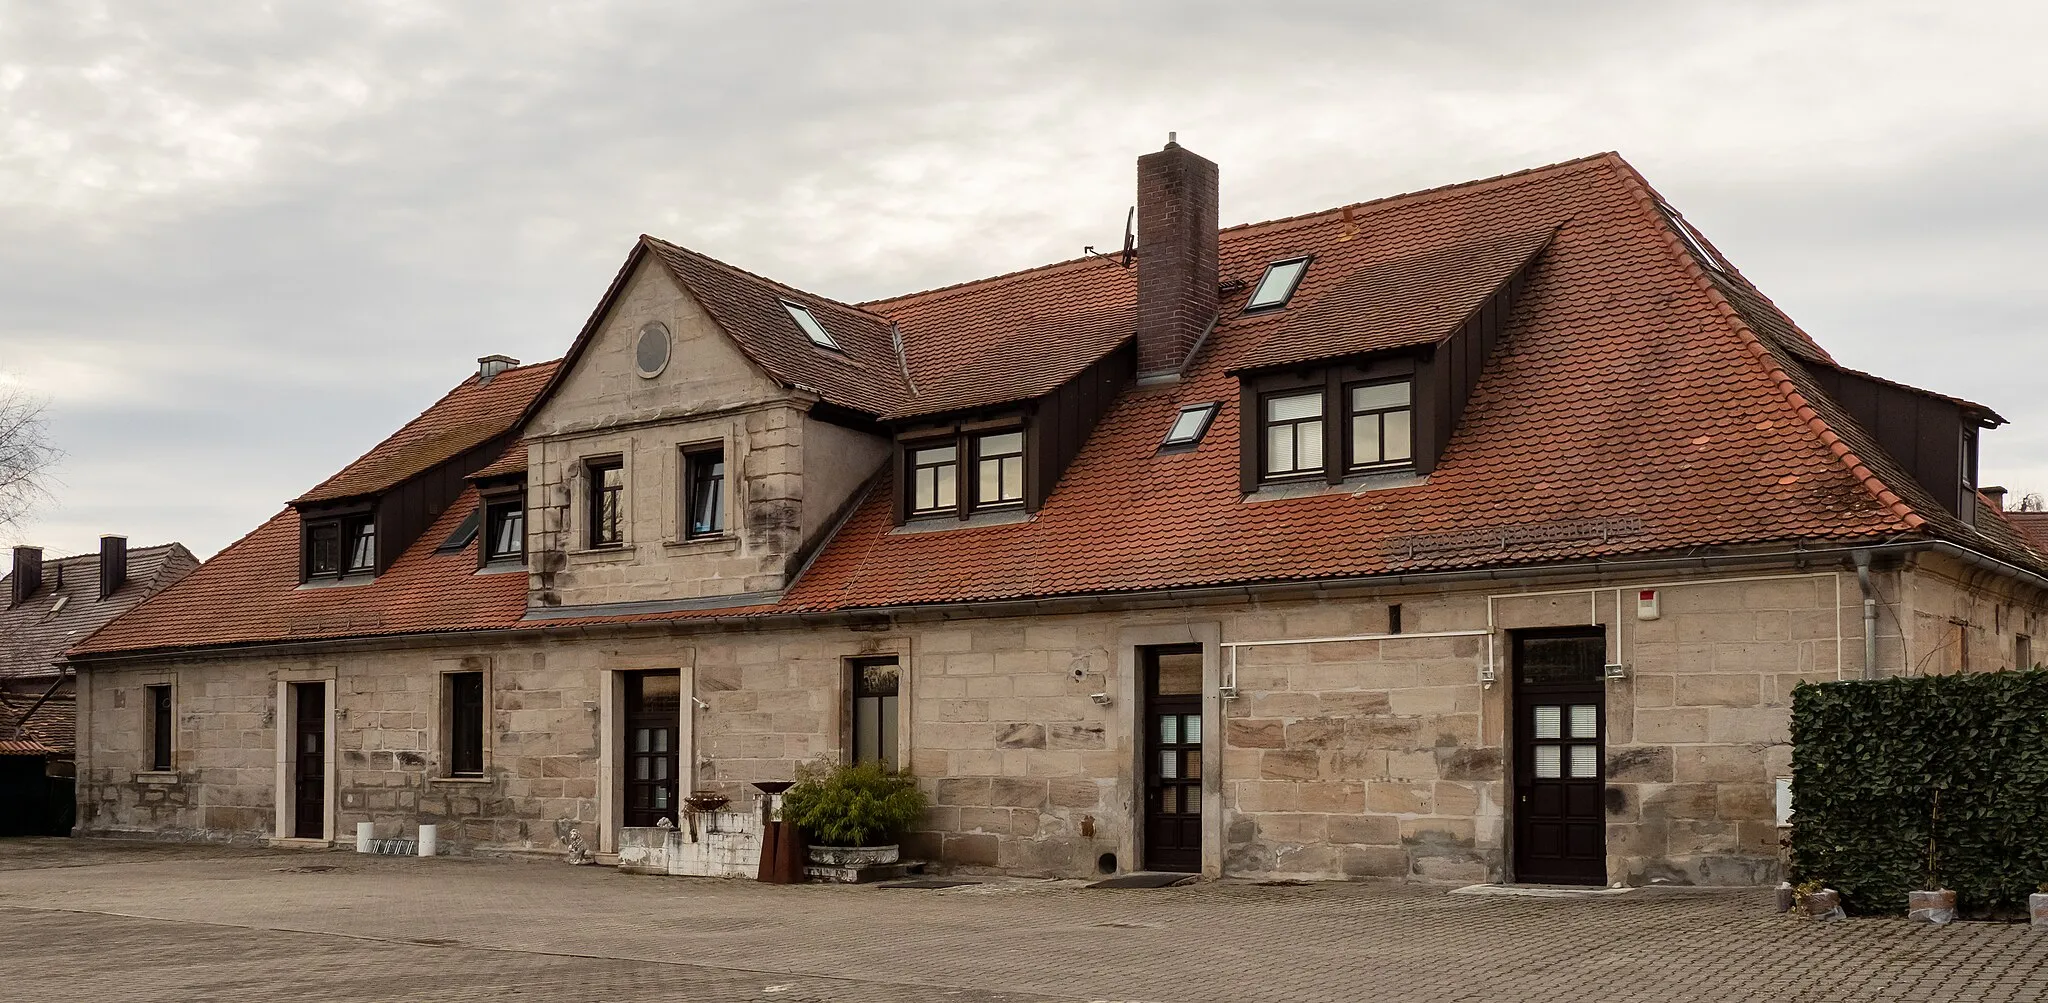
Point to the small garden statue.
(579, 852)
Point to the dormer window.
(505, 531)
(1382, 424)
(1293, 441)
(1277, 286)
(934, 477)
(970, 471)
(999, 460)
(339, 546)
(809, 325)
(1188, 427)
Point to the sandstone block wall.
(1382, 757)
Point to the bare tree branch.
(25, 454)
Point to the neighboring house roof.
(49, 726)
(470, 415)
(67, 608)
(1644, 400)
(2032, 525)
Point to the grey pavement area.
(113, 921)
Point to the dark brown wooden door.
(1173, 757)
(654, 704)
(1560, 757)
(309, 766)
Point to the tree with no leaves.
(25, 454)
(2032, 502)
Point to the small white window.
(810, 326)
(933, 474)
(1000, 462)
(1189, 425)
(1277, 285)
(1294, 434)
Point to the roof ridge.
(1458, 188)
(1439, 191)
(984, 280)
(778, 283)
(1648, 200)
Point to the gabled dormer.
(707, 429)
(355, 525)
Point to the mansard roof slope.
(473, 413)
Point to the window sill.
(502, 568)
(947, 523)
(159, 778)
(722, 543)
(1356, 484)
(602, 555)
(461, 780)
(345, 581)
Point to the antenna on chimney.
(1130, 251)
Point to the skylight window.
(811, 328)
(1692, 239)
(1188, 426)
(1277, 285)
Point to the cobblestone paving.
(87, 920)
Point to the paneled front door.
(1173, 757)
(1560, 757)
(654, 705)
(309, 761)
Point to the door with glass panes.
(1560, 756)
(654, 703)
(1173, 757)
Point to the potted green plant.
(854, 814)
(1819, 901)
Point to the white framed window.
(999, 469)
(934, 479)
(1382, 424)
(808, 324)
(1189, 426)
(1277, 286)
(1293, 433)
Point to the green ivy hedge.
(1880, 766)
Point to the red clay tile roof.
(50, 726)
(1635, 406)
(469, 416)
(68, 608)
(513, 461)
(1395, 302)
(1011, 338)
(2033, 525)
(251, 592)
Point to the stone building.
(1479, 533)
(51, 604)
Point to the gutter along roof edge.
(1195, 595)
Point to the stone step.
(864, 875)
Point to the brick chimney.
(113, 564)
(1996, 495)
(28, 574)
(1177, 220)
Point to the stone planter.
(1937, 907)
(2037, 910)
(855, 856)
(1825, 905)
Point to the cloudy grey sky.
(241, 242)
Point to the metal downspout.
(1862, 559)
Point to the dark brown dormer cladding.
(1054, 427)
(1177, 251)
(1933, 437)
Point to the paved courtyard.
(105, 921)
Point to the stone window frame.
(724, 442)
(284, 712)
(442, 734)
(1130, 703)
(841, 726)
(611, 712)
(147, 770)
(591, 470)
